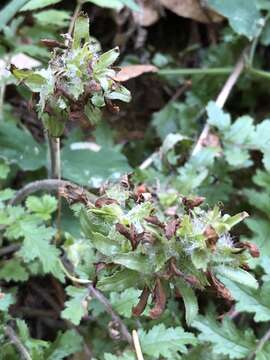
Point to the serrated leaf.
(217, 117)
(42, 206)
(75, 308)
(38, 4)
(250, 300)
(225, 337)
(12, 270)
(123, 302)
(66, 344)
(239, 275)
(166, 342)
(261, 236)
(127, 355)
(36, 245)
(190, 300)
(5, 301)
(243, 15)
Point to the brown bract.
(139, 308)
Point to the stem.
(77, 10)
(97, 294)
(137, 346)
(73, 278)
(222, 98)
(10, 333)
(260, 345)
(45, 185)
(196, 71)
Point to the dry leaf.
(132, 71)
(148, 15)
(191, 9)
(22, 61)
(140, 307)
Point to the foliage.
(142, 238)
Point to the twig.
(222, 98)
(44, 185)
(10, 333)
(137, 345)
(97, 294)
(9, 249)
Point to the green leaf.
(42, 206)
(12, 270)
(217, 117)
(9, 11)
(4, 170)
(105, 245)
(261, 236)
(190, 300)
(126, 355)
(226, 338)
(165, 342)
(81, 31)
(76, 307)
(36, 245)
(93, 168)
(30, 78)
(66, 344)
(37, 4)
(243, 15)
(133, 261)
(5, 301)
(239, 275)
(123, 302)
(107, 59)
(35, 346)
(120, 281)
(55, 18)
(250, 300)
(25, 151)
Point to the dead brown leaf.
(133, 71)
(191, 9)
(148, 15)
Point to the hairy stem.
(50, 185)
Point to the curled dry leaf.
(211, 236)
(140, 307)
(159, 298)
(192, 9)
(222, 291)
(171, 228)
(191, 203)
(133, 71)
(104, 201)
(251, 247)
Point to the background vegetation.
(121, 154)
